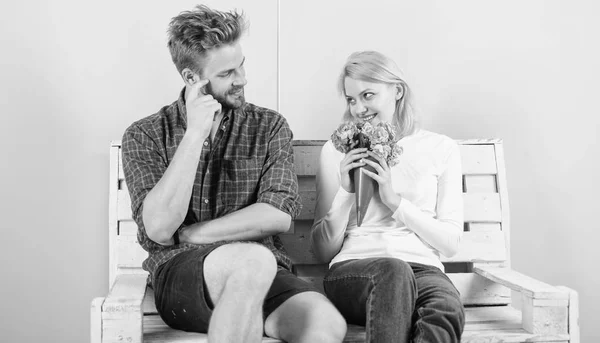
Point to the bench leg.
(96, 320)
(573, 314)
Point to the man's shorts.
(182, 299)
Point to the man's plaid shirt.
(250, 160)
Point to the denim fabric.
(396, 301)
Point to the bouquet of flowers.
(381, 140)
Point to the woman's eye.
(369, 95)
(350, 101)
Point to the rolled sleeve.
(278, 183)
(143, 166)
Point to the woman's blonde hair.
(373, 66)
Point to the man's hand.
(201, 109)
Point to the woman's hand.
(383, 176)
(351, 161)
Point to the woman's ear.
(399, 91)
(189, 77)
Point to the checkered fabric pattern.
(250, 160)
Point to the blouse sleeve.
(443, 232)
(332, 208)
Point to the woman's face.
(371, 102)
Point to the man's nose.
(240, 81)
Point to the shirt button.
(205, 201)
(223, 127)
(205, 143)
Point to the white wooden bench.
(481, 270)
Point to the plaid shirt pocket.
(239, 178)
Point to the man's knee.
(248, 267)
(255, 263)
(329, 325)
(325, 323)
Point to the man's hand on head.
(201, 109)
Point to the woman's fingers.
(373, 176)
(379, 159)
(375, 165)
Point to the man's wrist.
(194, 135)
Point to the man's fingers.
(197, 88)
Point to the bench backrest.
(485, 240)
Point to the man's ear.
(399, 91)
(189, 77)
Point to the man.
(211, 182)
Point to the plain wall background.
(74, 74)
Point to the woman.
(387, 274)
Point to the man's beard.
(228, 100)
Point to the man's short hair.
(193, 33)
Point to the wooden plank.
(474, 247)
(573, 314)
(510, 336)
(480, 184)
(156, 331)
(149, 305)
(127, 228)
(306, 159)
(503, 192)
(478, 158)
(477, 290)
(478, 207)
(485, 227)
(122, 310)
(524, 284)
(492, 318)
(130, 253)
(121, 172)
(480, 246)
(547, 320)
(482, 207)
(480, 141)
(309, 200)
(96, 320)
(355, 334)
(123, 205)
(113, 212)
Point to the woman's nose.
(359, 109)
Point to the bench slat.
(476, 246)
(489, 324)
(478, 159)
(478, 207)
(480, 184)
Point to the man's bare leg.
(238, 277)
(307, 317)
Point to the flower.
(379, 138)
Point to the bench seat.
(480, 270)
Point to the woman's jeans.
(396, 301)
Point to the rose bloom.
(380, 135)
(379, 150)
